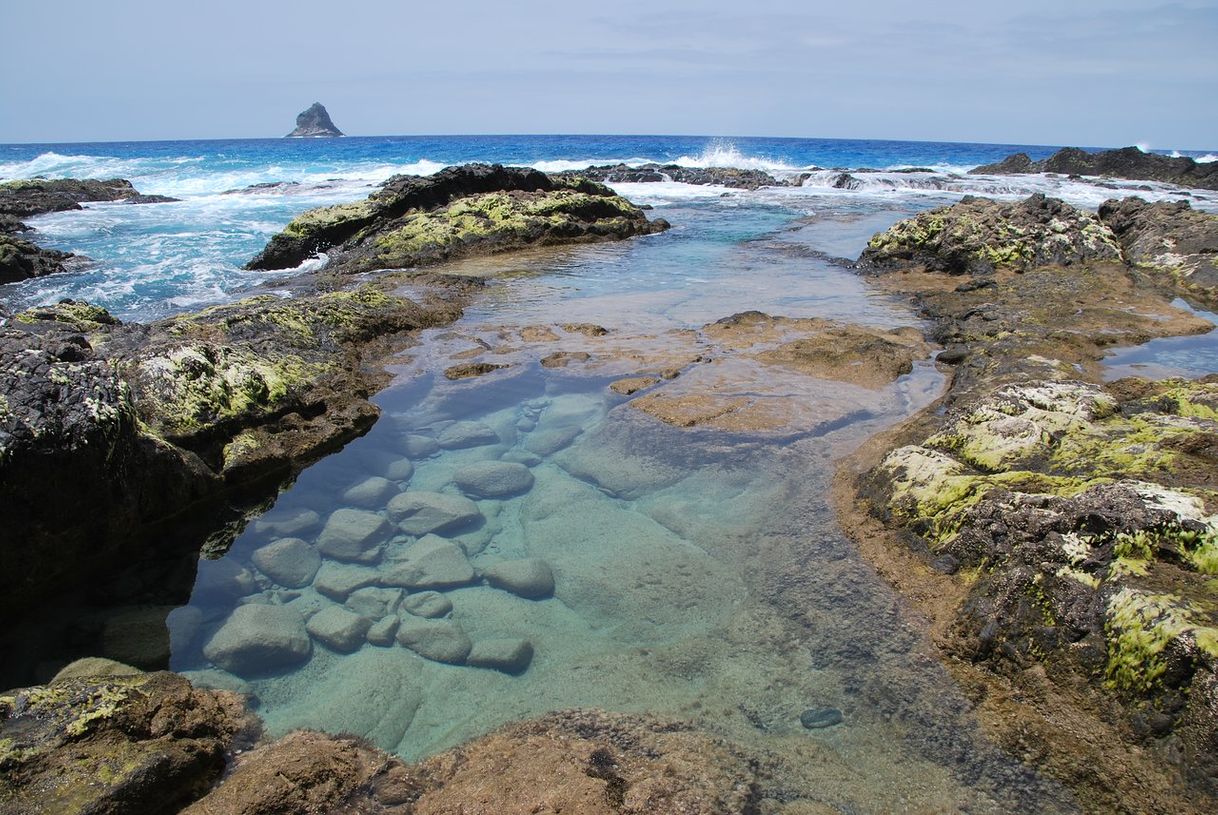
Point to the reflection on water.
(1189, 357)
(501, 547)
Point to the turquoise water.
(697, 574)
(159, 259)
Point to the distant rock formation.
(1127, 162)
(314, 123)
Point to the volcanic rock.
(1128, 163)
(314, 123)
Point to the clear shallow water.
(1191, 357)
(159, 259)
(697, 574)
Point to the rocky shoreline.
(1129, 163)
(21, 259)
(205, 415)
(1055, 528)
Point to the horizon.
(1097, 72)
(710, 136)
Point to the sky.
(1076, 72)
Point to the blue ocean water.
(154, 260)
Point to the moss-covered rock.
(141, 423)
(413, 221)
(978, 235)
(138, 743)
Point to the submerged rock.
(530, 578)
(290, 562)
(313, 123)
(1127, 162)
(816, 718)
(432, 562)
(438, 640)
(337, 580)
(460, 435)
(427, 604)
(371, 493)
(493, 479)
(354, 534)
(339, 628)
(258, 638)
(511, 656)
(419, 513)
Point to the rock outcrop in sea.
(314, 123)
(1127, 162)
(472, 209)
(21, 259)
(1064, 520)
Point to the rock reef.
(1127, 162)
(171, 431)
(314, 123)
(1063, 524)
(472, 209)
(21, 259)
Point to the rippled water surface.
(696, 574)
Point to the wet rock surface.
(142, 743)
(712, 176)
(1063, 523)
(472, 209)
(1126, 162)
(145, 422)
(978, 235)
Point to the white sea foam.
(723, 153)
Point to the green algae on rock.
(978, 235)
(1076, 517)
(142, 423)
(137, 743)
(475, 208)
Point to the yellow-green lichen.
(198, 385)
(1139, 627)
(315, 220)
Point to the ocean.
(699, 575)
(155, 260)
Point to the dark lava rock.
(1170, 236)
(314, 123)
(977, 235)
(472, 209)
(946, 564)
(35, 196)
(1127, 162)
(147, 743)
(21, 260)
(816, 718)
(468, 370)
(143, 424)
(705, 176)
